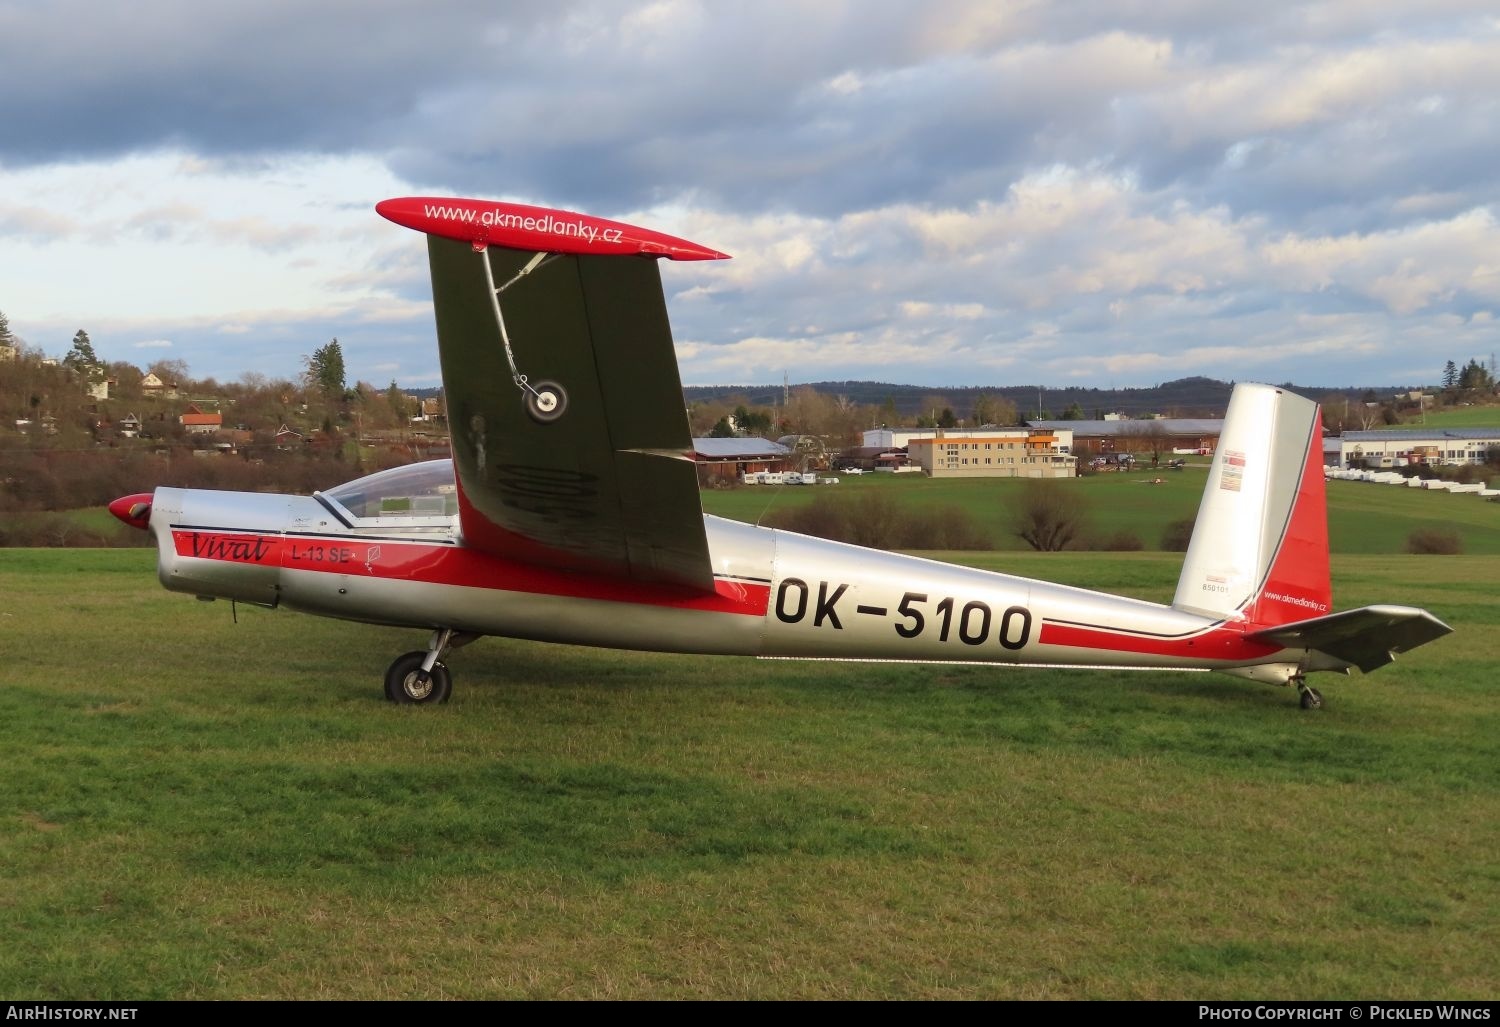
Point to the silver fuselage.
(780, 594)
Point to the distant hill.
(1185, 397)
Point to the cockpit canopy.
(416, 495)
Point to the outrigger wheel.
(406, 684)
(545, 402)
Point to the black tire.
(405, 687)
(547, 403)
(1312, 699)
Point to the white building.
(895, 438)
(900, 438)
(995, 453)
(1403, 447)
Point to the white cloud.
(1406, 269)
(921, 192)
(1296, 87)
(147, 240)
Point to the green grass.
(1131, 504)
(1363, 518)
(1459, 417)
(1368, 518)
(96, 519)
(199, 809)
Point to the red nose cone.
(133, 510)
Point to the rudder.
(1259, 551)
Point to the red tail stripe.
(1298, 586)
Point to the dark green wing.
(604, 482)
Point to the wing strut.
(546, 401)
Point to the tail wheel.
(406, 685)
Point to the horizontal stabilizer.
(1366, 638)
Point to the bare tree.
(703, 416)
(1368, 415)
(1155, 438)
(1336, 414)
(810, 412)
(1049, 515)
(990, 409)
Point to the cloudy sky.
(1117, 192)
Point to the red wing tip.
(522, 227)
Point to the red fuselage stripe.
(454, 565)
(1221, 643)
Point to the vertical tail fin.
(1259, 552)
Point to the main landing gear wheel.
(406, 685)
(1312, 699)
(546, 402)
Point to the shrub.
(876, 521)
(824, 517)
(1176, 535)
(1123, 541)
(950, 527)
(56, 531)
(1435, 541)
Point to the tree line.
(64, 446)
(836, 418)
(1472, 378)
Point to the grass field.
(199, 809)
(1459, 417)
(1362, 518)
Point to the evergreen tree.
(81, 358)
(1450, 375)
(6, 338)
(396, 400)
(721, 429)
(751, 422)
(1475, 376)
(324, 370)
